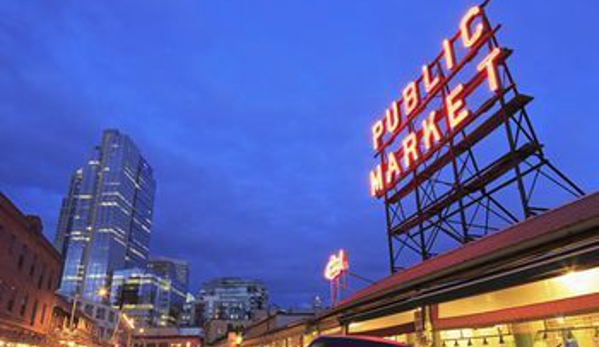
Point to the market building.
(535, 283)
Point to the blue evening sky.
(255, 114)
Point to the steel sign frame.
(456, 160)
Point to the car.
(354, 341)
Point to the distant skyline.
(256, 115)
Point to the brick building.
(30, 271)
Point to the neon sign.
(416, 125)
(336, 266)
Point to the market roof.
(560, 222)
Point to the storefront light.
(580, 282)
(467, 333)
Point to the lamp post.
(73, 308)
(130, 322)
(141, 335)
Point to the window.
(24, 303)
(22, 257)
(43, 316)
(11, 302)
(50, 281)
(32, 267)
(101, 313)
(33, 313)
(40, 281)
(11, 244)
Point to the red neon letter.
(430, 129)
(449, 55)
(376, 181)
(410, 150)
(411, 98)
(469, 39)
(490, 64)
(456, 112)
(377, 134)
(392, 117)
(393, 168)
(426, 76)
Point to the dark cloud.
(255, 114)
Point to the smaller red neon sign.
(336, 266)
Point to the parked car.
(354, 341)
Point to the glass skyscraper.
(106, 217)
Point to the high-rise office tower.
(106, 218)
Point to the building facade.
(30, 272)
(151, 300)
(192, 312)
(106, 218)
(233, 299)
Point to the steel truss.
(456, 196)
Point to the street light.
(103, 293)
